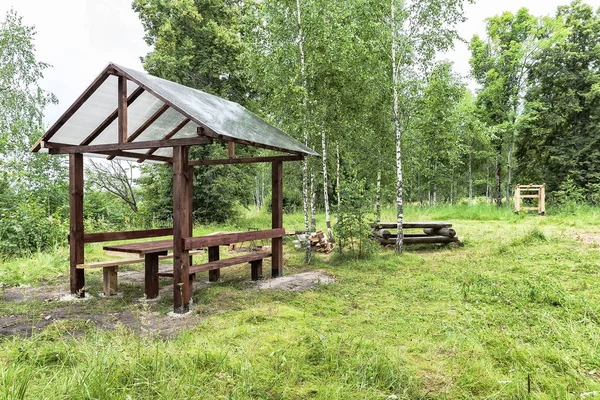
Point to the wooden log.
(410, 225)
(54, 148)
(381, 233)
(440, 232)
(421, 240)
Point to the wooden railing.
(126, 235)
(192, 243)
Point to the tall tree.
(416, 31)
(500, 64)
(560, 132)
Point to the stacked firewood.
(318, 242)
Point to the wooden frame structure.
(150, 99)
(531, 192)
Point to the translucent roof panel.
(221, 116)
(91, 114)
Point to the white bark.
(337, 185)
(313, 204)
(378, 197)
(470, 180)
(326, 186)
(305, 132)
(398, 129)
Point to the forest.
(402, 137)
(365, 88)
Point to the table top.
(157, 246)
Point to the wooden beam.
(111, 118)
(203, 132)
(230, 149)
(122, 109)
(126, 235)
(76, 230)
(277, 217)
(213, 255)
(246, 160)
(149, 122)
(168, 136)
(73, 108)
(182, 292)
(165, 100)
(145, 125)
(127, 154)
(225, 239)
(99, 148)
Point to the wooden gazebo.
(132, 115)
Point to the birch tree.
(416, 30)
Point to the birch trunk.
(398, 129)
(470, 181)
(305, 200)
(378, 197)
(337, 185)
(326, 187)
(313, 204)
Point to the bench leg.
(109, 277)
(256, 267)
(151, 276)
(213, 255)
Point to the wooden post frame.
(213, 255)
(277, 217)
(76, 230)
(182, 291)
(122, 109)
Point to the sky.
(80, 37)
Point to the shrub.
(26, 228)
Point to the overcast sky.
(79, 37)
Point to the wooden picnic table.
(151, 251)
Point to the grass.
(513, 314)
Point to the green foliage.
(26, 228)
(355, 217)
(558, 142)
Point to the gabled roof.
(160, 109)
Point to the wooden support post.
(277, 217)
(122, 109)
(76, 232)
(182, 292)
(256, 267)
(231, 149)
(213, 255)
(190, 197)
(542, 200)
(109, 278)
(518, 198)
(151, 275)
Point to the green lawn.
(518, 306)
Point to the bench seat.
(255, 259)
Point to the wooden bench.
(153, 250)
(110, 269)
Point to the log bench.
(433, 232)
